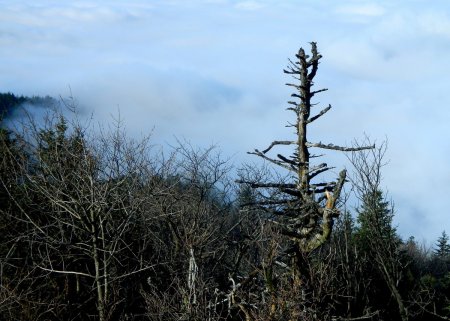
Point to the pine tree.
(443, 246)
(379, 240)
(375, 219)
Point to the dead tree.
(304, 209)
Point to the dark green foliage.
(375, 219)
(443, 247)
(438, 278)
(9, 103)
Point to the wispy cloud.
(249, 5)
(435, 24)
(368, 9)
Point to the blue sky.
(211, 72)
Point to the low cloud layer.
(211, 71)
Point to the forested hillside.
(95, 225)
(9, 103)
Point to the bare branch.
(318, 91)
(319, 171)
(278, 142)
(284, 159)
(335, 147)
(319, 114)
(258, 153)
(270, 185)
(67, 272)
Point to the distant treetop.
(10, 102)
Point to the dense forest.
(95, 225)
(11, 104)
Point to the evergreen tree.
(443, 246)
(375, 219)
(8, 102)
(381, 244)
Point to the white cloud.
(368, 10)
(435, 24)
(63, 16)
(249, 5)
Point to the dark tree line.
(9, 103)
(97, 226)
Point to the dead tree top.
(314, 203)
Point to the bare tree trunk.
(98, 275)
(394, 290)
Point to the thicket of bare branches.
(106, 225)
